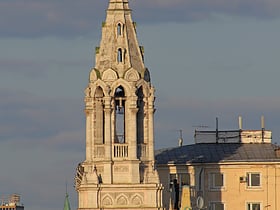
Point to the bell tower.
(118, 171)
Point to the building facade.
(118, 171)
(224, 170)
(11, 203)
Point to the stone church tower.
(118, 172)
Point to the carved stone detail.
(136, 200)
(121, 169)
(109, 75)
(107, 201)
(132, 75)
(93, 76)
(122, 200)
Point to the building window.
(253, 179)
(216, 206)
(120, 55)
(253, 206)
(216, 180)
(119, 29)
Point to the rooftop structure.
(234, 136)
(11, 202)
(243, 164)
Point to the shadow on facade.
(192, 175)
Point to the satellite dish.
(199, 202)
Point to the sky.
(208, 59)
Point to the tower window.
(119, 29)
(120, 55)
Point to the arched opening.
(99, 116)
(119, 29)
(119, 115)
(120, 55)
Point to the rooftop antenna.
(180, 140)
(217, 130)
(240, 122)
(66, 190)
(240, 127)
(262, 124)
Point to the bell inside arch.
(120, 100)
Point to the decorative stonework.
(132, 75)
(121, 169)
(107, 200)
(118, 171)
(137, 200)
(109, 75)
(93, 76)
(123, 199)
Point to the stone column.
(151, 111)
(108, 141)
(131, 128)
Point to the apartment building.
(223, 170)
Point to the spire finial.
(66, 201)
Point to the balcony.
(120, 151)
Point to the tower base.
(120, 196)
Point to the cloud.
(23, 67)
(46, 139)
(70, 18)
(40, 120)
(32, 18)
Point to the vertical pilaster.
(131, 127)
(107, 175)
(89, 142)
(151, 111)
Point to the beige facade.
(118, 171)
(241, 184)
(227, 176)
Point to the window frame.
(211, 203)
(249, 205)
(213, 183)
(250, 181)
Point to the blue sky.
(207, 59)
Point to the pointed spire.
(119, 49)
(66, 201)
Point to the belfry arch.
(119, 115)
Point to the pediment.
(109, 75)
(132, 75)
(93, 75)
